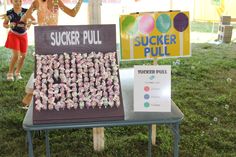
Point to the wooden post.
(98, 139)
(5, 11)
(94, 15)
(154, 127)
(94, 11)
(5, 6)
(171, 4)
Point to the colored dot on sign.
(146, 104)
(146, 96)
(146, 88)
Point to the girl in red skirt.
(17, 38)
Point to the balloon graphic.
(181, 23)
(163, 23)
(146, 24)
(130, 26)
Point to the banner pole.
(154, 126)
(94, 15)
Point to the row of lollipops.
(145, 24)
(76, 81)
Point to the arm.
(6, 22)
(33, 21)
(70, 12)
(30, 21)
(3, 16)
(28, 14)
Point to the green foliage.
(203, 86)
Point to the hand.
(3, 17)
(22, 25)
(12, 25)
(29, 23)
(34, 22)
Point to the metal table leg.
(47, 144)
(150, 140)
(30, 144)
(175, 129)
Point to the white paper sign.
(152, 88)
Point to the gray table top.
(131, 118)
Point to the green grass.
(199, 87)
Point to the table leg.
(98, 139)
(47, 144)
(30, 144)
(175, 129)
(149, 140)
(154, 135)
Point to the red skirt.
(18, 42)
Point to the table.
(172, 118)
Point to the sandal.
(18, 76)
(10, 77)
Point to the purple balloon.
(181, 22)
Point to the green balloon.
(129, 25)
(163, 23)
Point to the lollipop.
(163, 24)
(181, 23)
(130, 27)
(146, 26)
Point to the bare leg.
(13, 61)
(20, 63)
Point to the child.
(17, 38)
(47, 11)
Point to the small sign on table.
(152, 88)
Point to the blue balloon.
(163, 23)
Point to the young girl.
(17, 38)
(47, 11)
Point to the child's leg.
(23, 49)
(13, 61)
(21, 59)
(14, 44)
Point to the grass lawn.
(203, 86)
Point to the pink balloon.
(146, 24)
